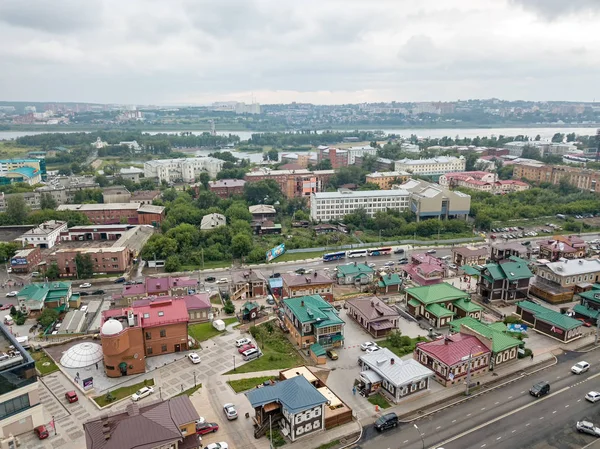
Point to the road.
(508, 417)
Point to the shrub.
(229, 308)
(511, 319)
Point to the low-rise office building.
(326, 206)
(385, 180)
(26, 260)
(114, 259)
(434, 166)
(115, 194)
(224, 188)
(307, 284)
(549, 322)
(557, 282)
(131, 213)
(293, 183)
(182, 170)
(45, 235)
(428, 200)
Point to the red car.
(6, 307)
(246, 347)
(584, 322)
(71, 396)
(207, 427)
(41, 432)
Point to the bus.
(357, 253)
(334, 256)
(379, 251)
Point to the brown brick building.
(581, 178)
(26, 260)
(294, 183)
(115, 213)
(129, 335)
(225, 188)
(106, 260)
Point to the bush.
(229, 308)
(511, 319)
(527, 353)
(172, 264)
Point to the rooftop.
(296, 280)
(395, 370)
(372, 308)
(435, 160)
(430, 294)
(574, 267)
(262, 209)
(45, 228)
(353, 269)
(145, 195)
(388, 174)
(470, 251)
(454, 349)
(295, 395)
(157, 313)
(360, 194)
(313, 309)
(550, 316)
(226, 183)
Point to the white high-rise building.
(326, 206)
(185, 169)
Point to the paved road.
(490, 419)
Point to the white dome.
(111, 327)
(82, 355)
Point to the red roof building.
(448, 357)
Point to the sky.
(173, 52)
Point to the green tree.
(47, 317)
(84, 265)
(172, 264)
(204, 179)
(102, 180)
(266, 191)
(369, 186)
(538, 138)
(47, 202)
(241, 245)
(531, 152)
(16, 209)
(7, 250)
(558, 137)
(273, 154)
(53, 272)
(571, 137)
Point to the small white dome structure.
(82, 355)
(111, 327)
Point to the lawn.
(379, 400)
(189, 391)
(204, 331)
(329, 445)
(407, 347)
(43, 363)
(216, 300)
(278, 352)
(248, 383)
(122, 392)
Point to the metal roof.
(295, 395)
(399, 372)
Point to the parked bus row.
(329, 257)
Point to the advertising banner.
(517, 328)
(275, 252)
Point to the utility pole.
(420, 434)
(469, 368)
(202, 253)
(597, 329)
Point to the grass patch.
(276, 437)
(278, 352)
(248, 383)
(402, 345)
(378, 399)
(43, 363)
(216, 300)
(190, 391)
(122, 392)
(329, 445)
(204, 331)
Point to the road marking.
(578, 400)
(541, 417)
(438, 427)
(510, 397)
(405, 441)
(497, 403)
(527, 424)
(514, 431)
(498, 438)
(453, 421)
(567, 406)
(483, 445)
(554, 412)
(469, 414)
(558, 377)
(482, 408)
(522, 391)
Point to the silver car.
(230, 411)
(588, 427)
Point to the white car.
(366, 345)
(194, 358)
(142, 393)
(588, 427)
(373, 348)
(580, 368)
(230, 411)
(221, 445)
(372, 265)
(242, 342)
(9, 270)
(200, 421)
(593, 396)
(85, 285)
(12, 294)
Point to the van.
(8, 320)
(387, 421)
(540, 389)
(251, 354)
(35, 274)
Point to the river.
(544, 132)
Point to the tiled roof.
(456, 350)
(34, 292)
(295, 395)
(500, 340)
(439, 311)
(313, 309)
(585, 311)
(467, 306)
(400, 372)
(430, 294)
(550, 316)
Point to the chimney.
(133, 409)
(446, 340)
(302, 303)
(372, 303)
(392, 361)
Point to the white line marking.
(567, 406)
(554, 412)
(541, 417)
(514, 431)
(453, 421)
(578, 400)
(522, 391)
(482, 408)
(497, 403)
(469, 414)
(483, 445)
(510, 397)
(498, 438)
(527, 424)
(405, 441)
(438, 427)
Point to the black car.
(540, 389)
(97, 292)
(403, 261)
(276, 275)
(120, 280)
(210, 279)
(399, 251)
(300, 271)
(387, 421)
(83, 293)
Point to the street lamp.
(420, 434)
(469, 367)
(233, 362)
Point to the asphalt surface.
(508, 417)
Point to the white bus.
(357, 253)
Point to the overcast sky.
(323, 51)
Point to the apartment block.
(115, 213)
(294, 183)
(182, 170)
(579, 177)
(433, 167)
(337, 157)
(385, 180)
(326, 206)
(225, 188)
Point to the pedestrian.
(531, 356)
(354, 390)
(96, 365)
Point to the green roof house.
(440, 303)
(508, 281)
(589, 309)
(549, 322)
(354, 274)
(311, 319)
(389, 283)
(55, 295)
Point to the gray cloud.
(553, 9)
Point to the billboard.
(275, 252)
(18, 261)
(517, 328)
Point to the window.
(161, 313)
(148, 335)
(163, 348)
(109, 368)
(149, 351)
(14, 405)
(146, 315)
(163, 333)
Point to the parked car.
(230, 411)
(142, 393)
(276, 275)
(332, 355)
(120, 280)
(270, 300)
(98, 292)
(83, 293)
(371, 265)
(403, 261)
(580, 367)
(194, 358)
(387, 421)
(540, 389)
(300, 271)
(41, 432)
(242, 342)
(389, 264)
(210, 279)
(366, 345)
(221, 445)
(9, 270)
(584, 322)
(399, 251)
(207, 427)
(223, 281)
(587, 427)
(85, 285)
(245, 348)
(6, 307)
(431, 251)
(373, 348)
(592, 396)
(71, 397)
(12, 294)
(452, 266)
